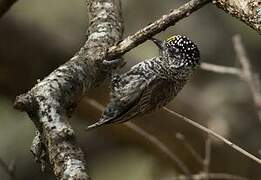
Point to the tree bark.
(51, 102)
(248, 11)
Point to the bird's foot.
(113, 64)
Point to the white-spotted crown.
(183, 50)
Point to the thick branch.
(50, 103)
(5, 5)
(248, 11)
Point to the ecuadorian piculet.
(151, 83)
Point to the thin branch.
(5, 5)
(190, 148)
(220, 69)
(247, 73)
(154, 28)
(202, 176)
(9, 169)
(225, 176)
(248, 11)
(213, 134)
(206, 162)
(146, 135)
(154, 140)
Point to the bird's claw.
(113, 63)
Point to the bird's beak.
(158, 42)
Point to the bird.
(152, 83)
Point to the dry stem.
(245, 72)
(213, 134)
(148, 136)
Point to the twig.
(5, 5)
(151, 138)
(9, 169)
(206, 162)
(248, 11)
(247, 73)
(190, 148)
(205, 175)
(220, 69)
(154, 28)
(212, 133)
(202, 176)
(225, 176)
(154, 140)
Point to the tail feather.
(101, 122)
(110, 116)
(94, 125)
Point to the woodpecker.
(151, 83)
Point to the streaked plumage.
(151, 83)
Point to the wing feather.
(135, 96)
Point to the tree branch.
(211, 133)
(8, 168)
(206, 162)
(154, 140)
(5, 5)
(248, 11)
(148, 136)
(214, 176)
(190, 148)
(154, 28)
(220, 69)
(245, 72)
(51, 102)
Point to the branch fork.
(51, 102)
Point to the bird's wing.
(133, 97)
(126, 92)
(155, 94)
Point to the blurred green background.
(37, 36)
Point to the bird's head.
(180, 50)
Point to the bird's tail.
(94, 125)
(101, 122)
